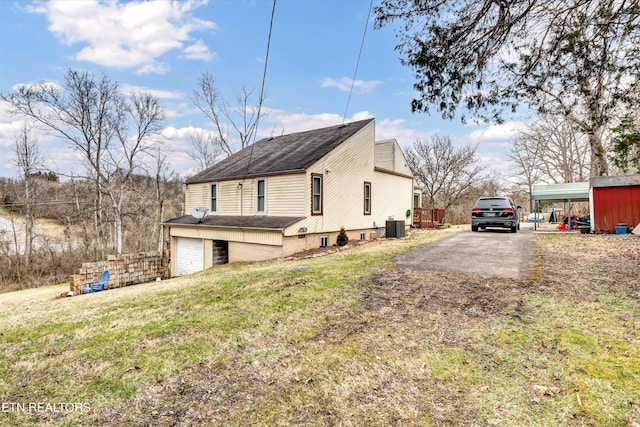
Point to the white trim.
(264, 196)
(211, 186)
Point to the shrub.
(342, 238)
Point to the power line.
(58, 202)
(264, 78)
(353, 81)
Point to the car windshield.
(492, 203)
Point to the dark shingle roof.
(262, 222)
(294, 152)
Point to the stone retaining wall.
(125, 270)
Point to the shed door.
(189, 256)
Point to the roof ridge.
(288, 152)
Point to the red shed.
(614, 200)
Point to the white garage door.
(189, 256)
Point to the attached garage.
(198, 244)
(189, 256)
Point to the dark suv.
(495, 212)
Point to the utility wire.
(353, 81)
(264, 78)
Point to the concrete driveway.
(489, 253)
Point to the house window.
(214, 197)
(261, 197)
(363, 236)
(316, 194)
(416, 200)
(367, 198)
(324, 241)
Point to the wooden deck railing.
(428, 217)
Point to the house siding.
(295, 244)
(389, 155)
(196, 196)
(349, 166)
(384, 156)
(229, 198)
(239, 251)
(285, 196)
(398, 198)
(263, 237)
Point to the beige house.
(291, 193)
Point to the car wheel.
(514, 229)
(474, 228)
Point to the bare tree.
(145, 116)
(578, 59)
(82, 113)
(27, 160)
(205, 151)
(161, 175)
(228, 121)
(525, 158)
(445, 173)
(562, 152)
(110, 131)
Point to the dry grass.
(343, 339)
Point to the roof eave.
(172, 224)
(390, 172)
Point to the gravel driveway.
(489, 253)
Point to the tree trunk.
(599, 165)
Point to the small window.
(367, 198)
(363, 236)
(261, 196)
(416, 200)
(214, 197)
(324, 241)
(316, 194)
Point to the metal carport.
(565, 193)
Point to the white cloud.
(128, 35)
(279, 122)
(183, 133)
(161, 94)
(397, 129)
(153, 68)
(496, 133)
(199, 50)
(50, 86)
(179, 145)
(345, 83)
(9, 130)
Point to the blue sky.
(165, 46)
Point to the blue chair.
(96, 285)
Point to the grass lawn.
(347, 338)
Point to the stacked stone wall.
(124, 270)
